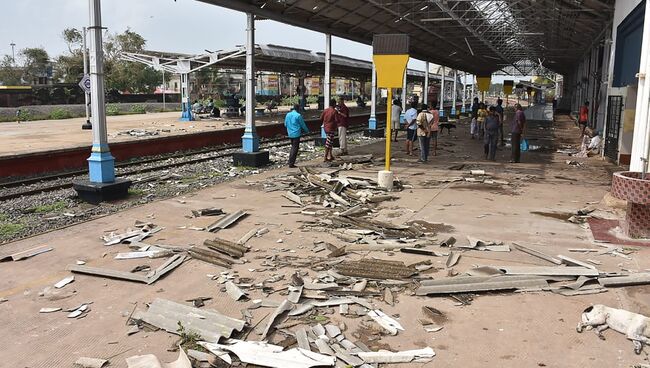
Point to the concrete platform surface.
(46, 135)
(535, 329)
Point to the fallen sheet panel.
(211, 325)
(481, 286)
(548, 271)
(25, 254)
(150, 278)
(635, 279)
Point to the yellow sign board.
(483, 83)
(390, 70)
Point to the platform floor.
(46, 135)
(497, 330)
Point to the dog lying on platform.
(636, 327)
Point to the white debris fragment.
(388, 323)
(64, 282)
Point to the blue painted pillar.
(401, 116)
(186, 103)
(101, 163)
(453, 103)
(250, 140)
(462, 108)
(327, 87)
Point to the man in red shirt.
(583, 117)
(329, 119)
(343, 123)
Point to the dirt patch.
(640, 295)
(564, 216)
(370, 336)
(430, 227)
(492, 188)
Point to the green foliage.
(35, 64)
(9, 73)
(290, 101)
(220, 103)
(47, 208)
(138, 109)
(10, 229)
(312, 99)
(124, 75)
(112, 110)
(72, 38)
(60, 113)
(25, 115)
(189, 339)
(135, 192)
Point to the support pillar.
(425, 98)
(641, 140)
(87, 125)
(372, 130)
(473, 91)
(454, 96)
(186, 103)
(250, 155)
(327, 85)
(463, 109)
(102, 185)
(442, 92)
(403, 97)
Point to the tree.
(9, 73)
(69, 68)
(36, 63)
(126, 76)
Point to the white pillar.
(87, 125)
(101, 163)
(641, 140)
(462, 108)
(250, 140)
(442, 91)
(372, 122)
(454, 96)
(473, 91)
(425, 99)
(327, 88)
(404, 93)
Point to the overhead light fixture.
(263, 5)
(435, 19)
(424, 7)
(530, 34)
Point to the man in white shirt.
(396, 111)
(411, 127)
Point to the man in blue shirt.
(411, 127)
(295, 127)
(499, 111)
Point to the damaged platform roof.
(477, 36)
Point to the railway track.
(267, 143)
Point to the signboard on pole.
(85, 83)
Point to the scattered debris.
(149, 278)
(64, 282)
(209, 324)
(375, 269)
(538, 254)
(25, 254)
(234, 291)
(84, 362)
(420, 356)
(464, 284)
(389, 324)
(50, 310)
(227, 221)
(151, 361)
(213, 211)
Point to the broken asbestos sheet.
(151, 361)
(268, 355)
(383, 356)
(209, 324)
(388, 323)
(465, 284)
(148, 279)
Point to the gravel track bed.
(31, 215)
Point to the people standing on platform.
(423, 120)
(296, 126)
(396, 111)
(411, 127)
(517, 130)
(491, 134)
(343, 123)
(480, 120)
(433, 129)
(473, 128)
(499, 111)
(583, 117)
(328, 119)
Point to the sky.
(186, 26)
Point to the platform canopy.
(268, 58)
(477, 36)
